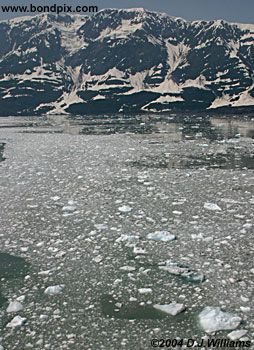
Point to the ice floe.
(171, 309)
(183, 271)
(128, 238)
(127, 268)
(213, 319)
(145, 290)
(163, 236)
(52, 290)
(212, 207)
(14, 306)
(238, 334)
(125, 209)
(17, 321)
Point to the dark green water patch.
(2, 158)
(131, 310)
(12, 266)
(2, 300)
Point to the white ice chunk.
(21, 298)
(235, 335)
(69, 208)
(52, 290)
(14, 306)
(145, 290)
(171, 309)
(212, 206)
(213, 319)
(128, 238)
(55, 198)
(128, 268)
(101, 226)
(163, 236)
(17, 321)
(125, 209)
(98, 258)
(139, 251)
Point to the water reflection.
(174, 127)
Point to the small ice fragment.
(171, 309)
(128, 238)
(139, 251)
(70, 207)
(14, 306)
(17, 321)
(52, 290)
(98, 259)
(163, 236)
(128, 268)
(101, 226)
(21, 298)
(245, 309)
(55, 198)
(213, 319)
(177, 212)
(125, 209)
(44, 273)
(212, 206)
(133, 299)
(235, 335)
(60, 254)
(197, 236)
(145, 290)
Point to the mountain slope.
(134, 60)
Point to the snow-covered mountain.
(123, 59)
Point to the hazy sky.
(231, 10)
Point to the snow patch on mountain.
(137, 58)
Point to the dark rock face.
(131, 60)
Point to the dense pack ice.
(113, 274)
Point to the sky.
(230, 10)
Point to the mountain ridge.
(133, 60)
